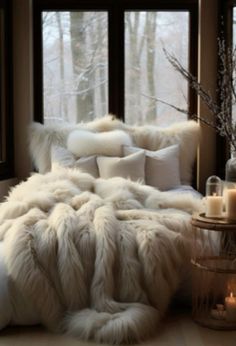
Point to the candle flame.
(231, 295)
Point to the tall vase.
(230, 168)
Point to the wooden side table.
(214, 272)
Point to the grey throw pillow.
(88, 165)
(161, 167)
(62, 157)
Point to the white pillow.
(161, 166)
(85, 143)
(62, 157)
(132, 166)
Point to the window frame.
(116, 39)
(225, 24)
(6, 118)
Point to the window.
(228, 14)
(75, 65)
(6, 127)
(95, 57)
(147, 71)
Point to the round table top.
(200, 220)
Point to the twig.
(223, 122)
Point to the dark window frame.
(115, 9)
(6, 117)
(225, 28)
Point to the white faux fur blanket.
(99, 259)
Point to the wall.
(23, 91)
(5, 185)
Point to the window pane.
(148, 74)
(75, 65)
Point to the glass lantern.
(214, 198)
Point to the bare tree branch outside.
(75, 65)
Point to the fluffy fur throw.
(96, 259)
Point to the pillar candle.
(230, 203)
(230, 307)
(214, 206)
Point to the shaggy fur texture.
(86, 143)
(98, 259)
(186, 134)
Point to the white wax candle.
(230, 203)
(230, 306)
(218, 314)
(214, 206)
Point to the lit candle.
(214, 205)
(230, 203)
(218, 313)
(230, 306)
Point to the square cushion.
(62, 157)
(161, 166)
(88, 165)
(132, 166)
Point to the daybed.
(96, 245)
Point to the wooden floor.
(178, 329)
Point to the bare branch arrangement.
(222, 110)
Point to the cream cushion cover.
(132, 166)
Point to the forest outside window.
(6, 126)
(112, 60)
(75, 65)
(148, 75)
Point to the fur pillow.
(85, 143)
(41, 140)
(61, 157)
